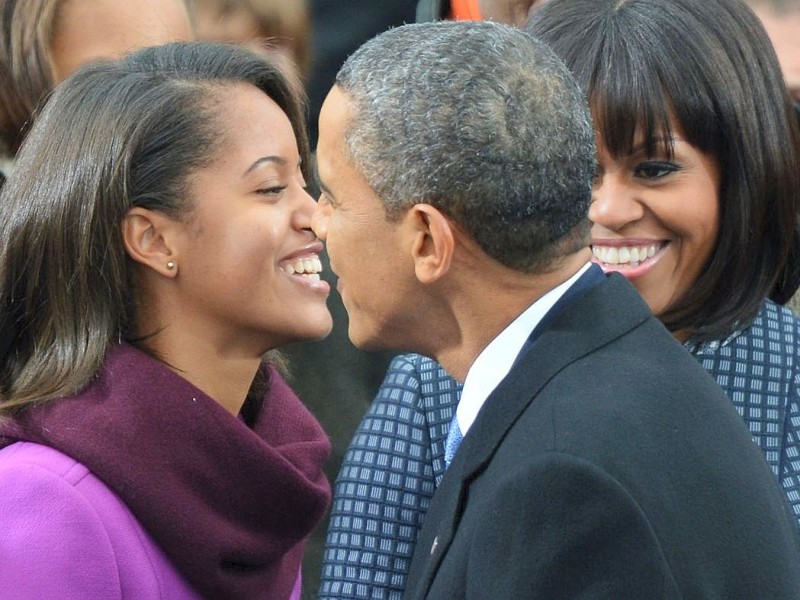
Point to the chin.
(369, 343)
(323, 331)
(316, 329)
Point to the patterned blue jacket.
(396, 457)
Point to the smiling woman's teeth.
(625, 255)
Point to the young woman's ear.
(433, 242)
(148, 239)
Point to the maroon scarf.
(230, 506)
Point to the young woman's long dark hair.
(115, 135)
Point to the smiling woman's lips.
(631, 259)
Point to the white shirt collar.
(495, 361)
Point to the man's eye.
(325, 200)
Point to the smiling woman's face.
(248, 262)
(656, 218)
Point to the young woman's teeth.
(304, 266)
(625, 255)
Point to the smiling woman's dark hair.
(114, 136)
(711, 65)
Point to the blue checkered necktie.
(452, 442)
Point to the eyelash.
(271, 190)
(655, 170)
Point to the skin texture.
(783, 29)
(88, 31)
(229, 297)
(672, 202)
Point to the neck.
(476, 322)
(222, 368)
(225, 378)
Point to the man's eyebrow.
(320, 184)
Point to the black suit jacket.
(608, 464)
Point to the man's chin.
(364, 340)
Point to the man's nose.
(319, 221)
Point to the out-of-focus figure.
(44, 41)
(281, 25)
(781, 19)
(513, 12)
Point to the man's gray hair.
(485, 123)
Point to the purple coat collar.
(230, 506)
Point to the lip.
(307, 250)
(626, 270)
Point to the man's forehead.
(333, 119)
(334, 115)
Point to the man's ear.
(433, 242)
(148, 237)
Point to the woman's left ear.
(433, 242)
(148, 236)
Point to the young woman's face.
(89, 30)
(655, 218)
(248, 263)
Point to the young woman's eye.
(271, 191)
(655, 169)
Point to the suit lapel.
(597, 317)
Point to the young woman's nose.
(304, 210)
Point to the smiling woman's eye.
(655, 169)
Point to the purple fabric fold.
(230, 506)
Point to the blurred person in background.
(513, 12)
(43, 41)
(781, 19)
(261, 25)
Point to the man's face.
(371, 256)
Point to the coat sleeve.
(790, 451)
(383, 490)
(53, 544)
(565, 529)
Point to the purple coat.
(142, 487)
(52, 510)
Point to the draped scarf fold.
(230, 506)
